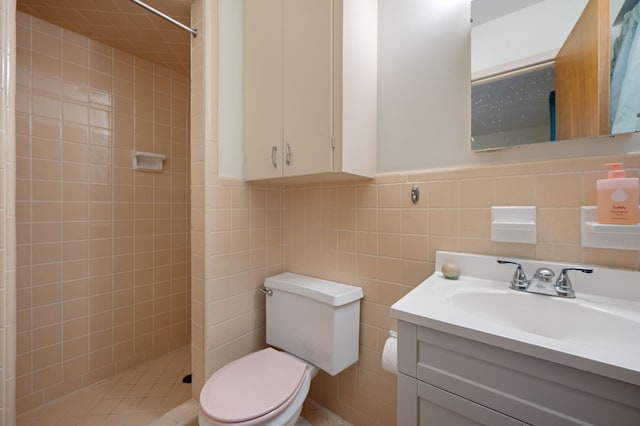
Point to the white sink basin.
(598, 331)
(565, 319)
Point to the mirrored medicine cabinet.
(553, 70)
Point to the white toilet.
(317, 323)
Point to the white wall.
(423, 83)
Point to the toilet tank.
(314, 319)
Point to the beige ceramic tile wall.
(7, 214)
(371, 235)
(244, 239)
(103, 251)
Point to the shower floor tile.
(131, 398)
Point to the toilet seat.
(253, 388)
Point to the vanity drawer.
(439, 407)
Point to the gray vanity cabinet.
(444, 379)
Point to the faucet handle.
(563, 283)
(519, 280)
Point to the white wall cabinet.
(310, 89)
(446, 380)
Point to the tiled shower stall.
(102, 250)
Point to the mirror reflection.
(546, 70)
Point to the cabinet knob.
(274, 156)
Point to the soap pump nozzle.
(616, 171)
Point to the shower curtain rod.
(193, 31)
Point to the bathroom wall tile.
(443, 222)
(445, 243)
(476, 193)
(46, 232)
(74, 52)
(414, 272)
(45, 44)
(613, 258)
(347, 197)
(414, 247)
(444, 194)
(589, 187)
(525, 251)
(570, 253)
(366, 196)
(390, 270)
(389, 196)
(475, 223)
(367, 243)
(46, 253)
(559, 190)
(367, 219)
(559, 226)
(415, 221)
(390, 245)
(73, 172)
(391, 220)
(47, 294)
(46, 273)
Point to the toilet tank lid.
(327, 292)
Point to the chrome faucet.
(541, 283)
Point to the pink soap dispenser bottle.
(617, 197)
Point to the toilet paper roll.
(390, 355)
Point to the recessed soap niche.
(148, 161)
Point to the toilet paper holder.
(390, 353)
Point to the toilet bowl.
(316, 325)
(264, 388)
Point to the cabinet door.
(438, 407)
(262, 86)
(308, 83)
